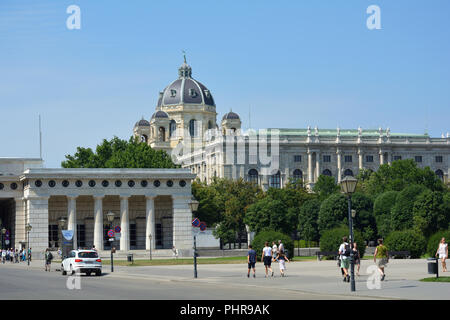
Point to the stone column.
(381, 157)
(124, 224)
(182, 228)
(98, 222)
(150, 222)
(360, 159)
(389, 158)
(310, 169)
(72, 218)
(37, 209)
(317, 165)
(20, 233)
(339, 165)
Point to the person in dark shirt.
(251, 259)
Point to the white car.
(82, 261)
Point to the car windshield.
(87, 255)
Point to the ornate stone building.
(184, 124)
(144, 202)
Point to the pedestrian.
(175, 252)
(251, 260)
(60, 253)
(382, 254)
(356, 257)
(48, 259)
(282, 258)
(280, 246)
(16, 256)
(267, 258)
(11, 255)
(344, 252)
(443, 253)
(274, 249)
(29, 254)
(93, 248)
(7, 254)
(3, 256)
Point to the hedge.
(433, 242)
(407, 240)
(269, 236)
(332, 239)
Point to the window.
(162, 134)
(172, 128)
(438, 159)
(397, 158)
(192, 93)
(173, 93)
(193, 128)
(275, 180)
(348, 172)
(418, 158)
(253, 176)
(297, 158)
(369, 158)
(87, 255)
(327, 158)
(53, 235)
(440, 174)
(158, 234)
(348, 158)
(297, 174)
(81, 236)
(132, 234)
(326, 172)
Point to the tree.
(382, 208)
(269, 213)
(365, 219)
(402, 212)
(208, 209)
(307, 220)
(333, 212)
(325, 186)
(118, 153)
(429, 214)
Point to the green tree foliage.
(399, 175)
(382, 210)
(407, 240)
(270, 236)
(402, 212)
(434, 240)
(332, 239)
(307, 220)
(325, 186)
(208, 208)
(429, 213)
(333, 212)
(365, 219)
(118, 153)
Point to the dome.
(231, 116)
(160, 114)
(142, 123)
(185, 90)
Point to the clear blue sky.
(295, 63)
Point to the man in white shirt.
(344, 253)
(280, 246)
(267, 258)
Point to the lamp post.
(150, 239)
(194, 207)
(62, 223)
(3, 237)
(110, 216)
(28, 228)
(348, 187)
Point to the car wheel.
(98, 273)
(63, 272)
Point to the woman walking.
(356, 258)
(381, 252)
(443, 253)
(267, 258)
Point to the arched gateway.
(144, 202)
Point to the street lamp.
(3, 237)
(62, 223)
(194, 207)
(110, 217)
(348, 187)
(150, 238)
(28, 228)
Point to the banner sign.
(67, 234)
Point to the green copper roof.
(344, 133)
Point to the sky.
(282, 64)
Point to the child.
(281, 257)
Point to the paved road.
(305, 280)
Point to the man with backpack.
(344, 253)
(48, 259)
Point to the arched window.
(253, 176)
(348, 172)
(327, 172)
(172, 128)
(193, 128)
(275, 180)
(210, 126)
(297, 174)
(162, 134)
(144, 138)
(440, 174)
